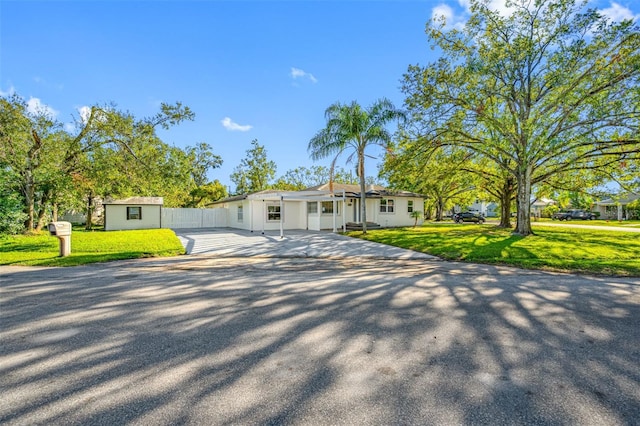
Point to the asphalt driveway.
(219, 340)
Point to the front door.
(356, 210)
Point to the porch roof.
(620, 201)
(320, 193)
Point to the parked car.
(574, 214)
(468, 217)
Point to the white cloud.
(9, 92)
(618, 13)
(451, 18)
(231, 126)
(35, 106)
(458, 19)
(84, 112)
(298, 73)
(500, 6)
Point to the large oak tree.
(549, 85)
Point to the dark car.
(468, 217)
(574, 214)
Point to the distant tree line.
(47, 167)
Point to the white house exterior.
(615, 208)
(320, 208)
(133, 213)
(485, 208)
(539, 205)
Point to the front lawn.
(552, 248)
(88, 247)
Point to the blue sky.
(262, 70)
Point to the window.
(327, 207)
(312, 207)
(386, 206)
(134, 213)
(240, 213)
(273, 213)
(409, 206)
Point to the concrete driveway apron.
(294, 244)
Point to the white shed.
(133, 213)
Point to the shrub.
(12, 217)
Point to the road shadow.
(316, 341)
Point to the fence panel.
(194, 218)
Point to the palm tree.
(352, 128)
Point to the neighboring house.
(133, 213)
(615, 208)
(540, 204)
(485, 208)
(319, 208)
(79, 217)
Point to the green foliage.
(255, 171)
(303, 177)
(552, 248)
(416, 215)
(633, 209)
(109, 153)
(581, 201)
(89, 247)
(12, 216)
(207, 193)
(550, 210)
(437, 173)
(352, 129)
(202, 159)
(547, 86)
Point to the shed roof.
(135, 201)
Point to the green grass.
(616, 223)
(552, 248)
(88, 247)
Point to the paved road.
(217, 340)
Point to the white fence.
(194, 218)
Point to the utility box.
(62, 231)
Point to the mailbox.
(62, 230)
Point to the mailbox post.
(62, 230)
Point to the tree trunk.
(439, 209)
(523, 200)
(363, 195)
(506, 195)
(42, 211)
(29, 181)
(29, 200)
(89, 222)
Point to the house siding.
(296, 216)
(116, 217)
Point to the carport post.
(263, 217)
(334, 213)
(281, 216)
(344, 212)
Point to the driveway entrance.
(295, 244)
